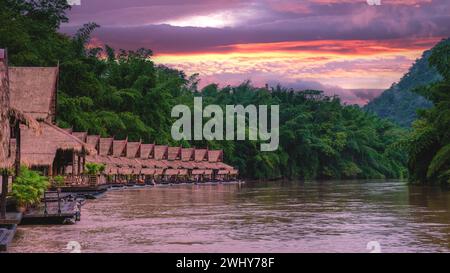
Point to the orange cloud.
(348, 64)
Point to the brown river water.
(332, 216)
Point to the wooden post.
(79, 165)
(73, 163)
(4, 194)
(5, 127)
(84, 162)
(18, 144)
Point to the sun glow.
(217, 20)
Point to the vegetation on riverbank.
(428, 144)
(29, 187)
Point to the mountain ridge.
(399, 103)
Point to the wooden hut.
(161, 152)
(174, 153)
(93, 141)
(215, 155)
(187, 154)
(147, 151)
(200, 155)
(10, 120)
(55, 150)
(105, 146)
(33, 91)
(120, 148)
(133, 149)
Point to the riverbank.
(330, 216)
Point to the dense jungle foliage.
(125, 94)
(428, 144)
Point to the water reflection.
(332, 216)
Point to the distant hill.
(399, 103)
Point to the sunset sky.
(344, 47)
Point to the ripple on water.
(332, 216)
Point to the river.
(331, 216)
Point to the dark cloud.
(337, 42)
(133, 24)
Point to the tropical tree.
(429, 142)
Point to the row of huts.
(61, 152)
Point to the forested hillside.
(124, 93)
(428, 144)
(399, 103)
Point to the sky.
(344, 47)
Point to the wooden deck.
(7, 233)
(86, 188)
(68, 213)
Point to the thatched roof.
(161, 152)
(198, 172)
(148, 171)
(200, 154)
(222, 165)
(111, 170)
(93, 140)
(81, 136)
(146, 150)
(147, 163)
(171, 172)
(25, 119)
(105, 146)
(33, 90)
(188, 164)
(174, 164)
(133, 149)
(130, 162)
(161, 164)
(9, 113)
(68, 130)
(174, 153)
(125, 170)
(187, 154)
(119, 147)
(40, 150)
(215, 155)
